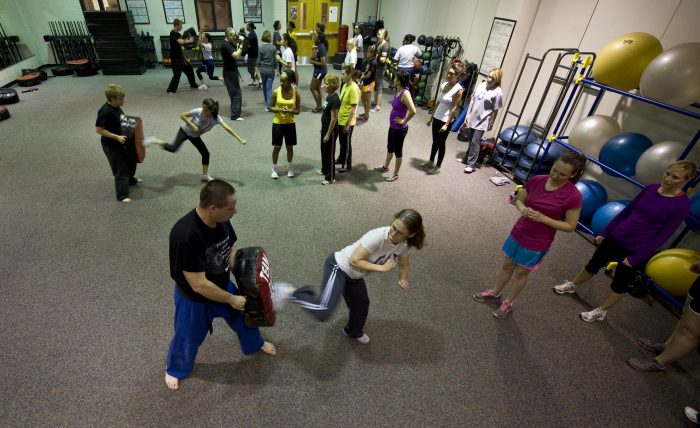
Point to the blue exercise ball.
(534, 151)
(622, 152)
(593, 195)
(694, 223)
(605, 214)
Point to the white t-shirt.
(351, 57)
(204, 123)
(288, 56)
(359, 41)
(484, 101)
(442, 111)
(206, 51)
(406, 54)
(379, 247)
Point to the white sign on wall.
(497, 44)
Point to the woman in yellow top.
(347, 116)
(285, 103)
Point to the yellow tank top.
(285, 118)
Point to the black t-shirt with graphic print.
(196, 247)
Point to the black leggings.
(439, 139)
(395, 140)
(196, 142)
(611, 251)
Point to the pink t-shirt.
(554, 204)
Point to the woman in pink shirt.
(542, 203)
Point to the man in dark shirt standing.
(177, 59)
(201, 253)
(231, 50)
(121, 154)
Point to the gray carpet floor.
(87, 302)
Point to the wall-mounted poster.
(252, 10)
(173, 9)
(138, 10)
(497, 45)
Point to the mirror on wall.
(14, 43)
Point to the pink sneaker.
(503, 310)
(487, 296)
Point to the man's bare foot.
(172, 382)
(269, 348)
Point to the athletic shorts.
(521, 256)
(368, 88)
(286, 132)
(319, 76)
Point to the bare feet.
(268, 348)
(172, 382)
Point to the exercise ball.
(417, 64)
(418, 98)
(673, 77)
(593, 196)
(605, 214)
(592, 132)
(421, 84)
(536, 150)
(693, 222)
(651, 166)
(425, 56)
(622, 152)
(622, 60)
(429, 41)
(671, 270)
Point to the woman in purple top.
(634, 234)
(402, 110)
(542, 203)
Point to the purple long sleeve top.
(647, 222)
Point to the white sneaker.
(435, 170)
(283, 291)
(596, 314)
(290, 173)
(565, 287)
(274, 175)
(202, 87)
(691, 414)
(206, 178)
(362, 340)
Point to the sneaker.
(468, 170)
(239, 118)
(434, 170)
(487, 296)
(565, 287)
(290, 173)
(282, 292)
(650, 346)
(392, 177)
(206, 178)
(381, 169)
(460, 160)
(649, 366)
(426, 164)
(252, 84)
(691, 414)
(375, 110)
(596, 314)
(319, 172)
(327, 182)
(274, 175)
(126, 200)
(503, 310)
(153, 140)
(202, 87)
(362, 340)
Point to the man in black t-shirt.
(177, 59)
(201, 251)
(120, 154)
(231, 50)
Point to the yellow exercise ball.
(671, 270)
(622, 61)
